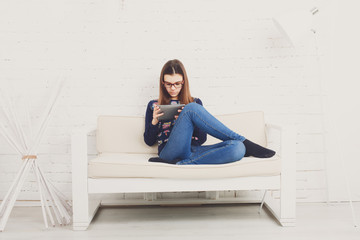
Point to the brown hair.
(174, 67)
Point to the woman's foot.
(255, 150)
(157, 159)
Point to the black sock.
(253, 149)
(157, 159)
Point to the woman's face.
(173, 84)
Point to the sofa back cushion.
(120, 134)
(251, 125)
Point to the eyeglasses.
(176, 85)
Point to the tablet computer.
(169, 111)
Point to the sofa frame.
(85, 190)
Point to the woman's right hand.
(156, 115)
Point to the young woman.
(179, 140)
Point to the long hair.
(174, 67)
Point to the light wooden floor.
(235, 221)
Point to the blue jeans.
(179, 143)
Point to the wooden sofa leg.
(288, 177)
(284, 208)
(84, 210)
(283, 211)
(84, 205)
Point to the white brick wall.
(111, 53)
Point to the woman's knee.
(191, 106)
(237, 149)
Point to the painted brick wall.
(111, 53)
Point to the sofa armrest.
(81, 141)
(281, 138)
(80, 149)
(274, 126)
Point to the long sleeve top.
(160, 133)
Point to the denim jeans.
(179, 143)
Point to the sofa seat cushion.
(132, 165)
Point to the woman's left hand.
(179, 110)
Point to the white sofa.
(121, 166)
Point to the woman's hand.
(179, 111)
(156, 115)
